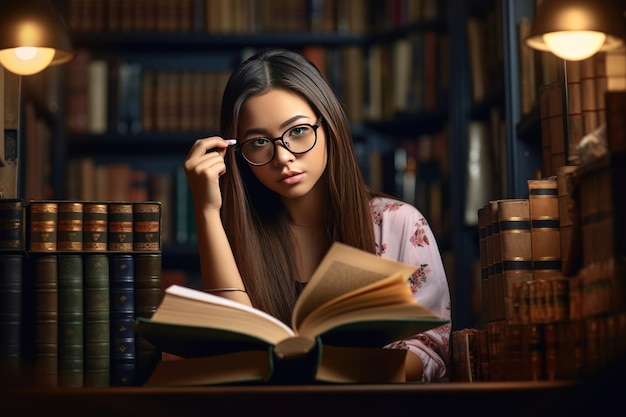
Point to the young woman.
(268, 208)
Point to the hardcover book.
(97, 320)
(95, 226)
(71, 320)
(516, 250)
(46, 316)
(354, 304)
(148, 296)
(122, 281)
(70, 226)
(120, 226)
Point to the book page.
(188, 306)
(344, 269)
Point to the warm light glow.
(26, 60)
(574, 45)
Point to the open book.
(354, 304)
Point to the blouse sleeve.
(403, 234)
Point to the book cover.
(43, 225)
(516, 251)
(46, 319)
(120, 226)
(70, 226)
(11, 318)
(96, 295)
(71, 320)
(122, 318)
(146, 226)
(545, 227)
(12, 224)
(95, 226)
(354, 300)
(148, 296)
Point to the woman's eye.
(259, 142)
(298, 131)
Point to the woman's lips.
(292, 178)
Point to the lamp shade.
(32, 36)
(577, 29)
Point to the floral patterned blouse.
(403, 234)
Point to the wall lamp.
(32, 36)
(576, 29)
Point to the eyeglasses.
(297, 140)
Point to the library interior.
(502, 121)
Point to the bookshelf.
(344, 41)
(390, 137)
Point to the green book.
(97, 322)
(70, 299)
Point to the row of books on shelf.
(245, 16)
(553, 289)
(115, 96)
(75, 276)
(88, 180)
(77, 226)
(112, 95)
(67, 318)
(564, 350)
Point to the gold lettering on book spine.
(95, 227)
(120, 226)
(43, 226)
(70, 226)
(147, 226)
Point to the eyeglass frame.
(280, 138)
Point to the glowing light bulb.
(26, 60)
(574, 45)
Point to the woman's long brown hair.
(254, 219)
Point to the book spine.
(516, 250)
(122, 316)
(496, 277)
(120, 227)
(97, 321)
(148, 296)
(545, 227)
(95, 227)
(11, 271)
(71, 320)
(46, 343)
(70, 226)
(147, 226)
(483, 222)
(533, 352)
(569, 220)
(12, 224)
(43, 226)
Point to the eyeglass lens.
(298, 139)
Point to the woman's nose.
(282, 155)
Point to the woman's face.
(269, 115)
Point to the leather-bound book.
(71, 320)
(97, 321)
(148, 296)
(122, 271)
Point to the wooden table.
(460, 399)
